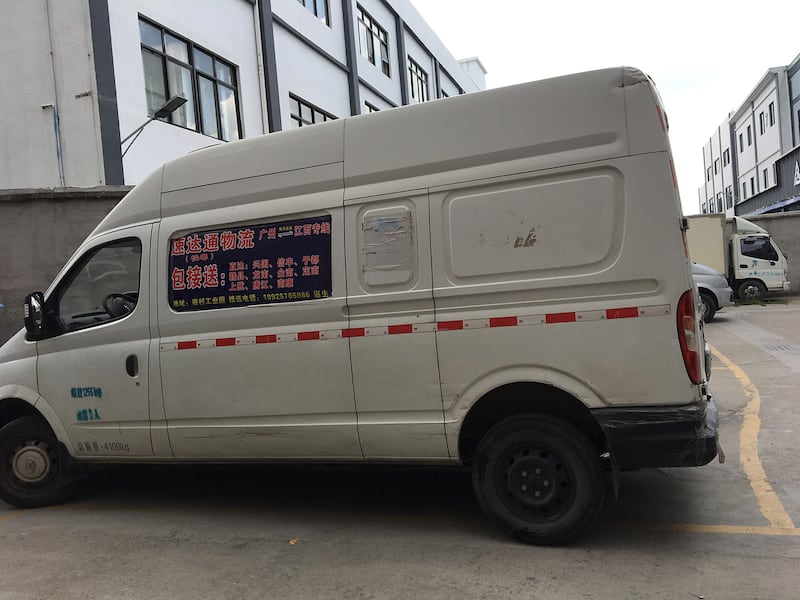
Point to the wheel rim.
(751, 292)
(33, 461)
(703, 309)
(538, 484)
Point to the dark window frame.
(771, 114)
(196, 74)
(370, 108)
(297, 116)
(418, 80)
(749, 135)
(741, 143)
(726, 157)
(371, 33)
(314, 6)
(762, 122)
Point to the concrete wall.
(785, 230)
(41, 230)
(49, 123)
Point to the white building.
(87, 73)
(752, 139)
(717, 193)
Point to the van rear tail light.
(689, 338)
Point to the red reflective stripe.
(674, 177)
(226, 342)
(266, 339)
(622, 313)
(503, 322)
(661, 118)
(304, 336)
(561, 318)
(187, 345)
(394, 329)
(357, 332)
(450, 325)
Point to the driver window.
(102, 287)
(758, 248)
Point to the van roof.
(582, 114)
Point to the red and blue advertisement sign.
(288, 261)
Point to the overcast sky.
(705, 56)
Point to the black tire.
(539, 479)
(708, 307)
(751, 290)
(31, 466)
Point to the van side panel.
(390, 302)
(568, 271)
(271, 380)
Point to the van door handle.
(742, 266)
(132, 365)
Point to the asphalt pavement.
(723, 531)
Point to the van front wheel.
(31, 473)
(539, 479)
(751, 290)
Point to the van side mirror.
(34, 314)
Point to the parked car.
(715, 293)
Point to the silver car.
(715, 293)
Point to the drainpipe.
(262, 79)
(54, 105)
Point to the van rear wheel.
(539, 479)
(31, 470)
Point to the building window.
(726, 157)
(373, 41)
(719, 202)
(744, 190)
(716, 166)
(708, 174)
(303, 113)
(319, 8)
(749, 135)
(370, 108)
(766, 179)
(418, 80)
(752, 186)
(761, 122)
(174, 66)
(741, 144)
(729, 196)
(771, 114)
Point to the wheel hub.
(31, 462)
(537, 480)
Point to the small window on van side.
(103, 286)
(758, 248)
(270, 263)
(388, 253)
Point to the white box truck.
(743, 252)
(497, 280)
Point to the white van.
(497, 280)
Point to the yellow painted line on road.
(11, 515)
(726, 529)
(768, 500)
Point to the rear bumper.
(663, 436)
(787, 286)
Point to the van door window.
(758, 248)
(103, 286)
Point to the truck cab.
(757, 265)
